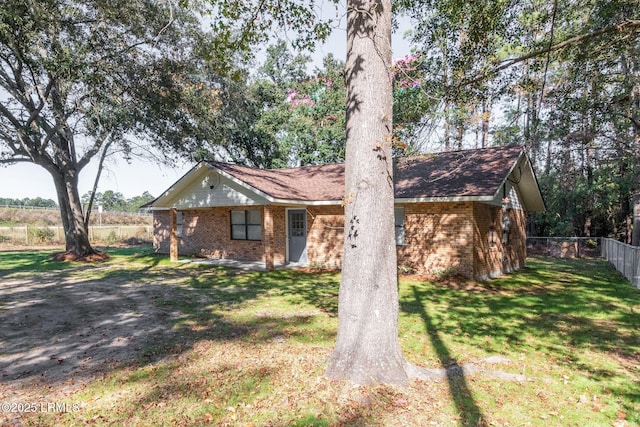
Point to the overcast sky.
(132, 179)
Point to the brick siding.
(439, 237)
(207, 232)
(325, 236)
(492, 258)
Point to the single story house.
(462, 211)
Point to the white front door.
(297, 233)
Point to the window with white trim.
(246, 225)
(179, 223)
(399, 225)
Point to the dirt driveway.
(59, 332)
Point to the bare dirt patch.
(73, 257)
(58, 332)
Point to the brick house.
(462, 211)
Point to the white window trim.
(399, 226)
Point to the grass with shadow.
(230, 347)
(571, 326)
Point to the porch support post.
(268, 238)
(173, 238)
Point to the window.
(246, 225)
(399, 222)
(179, 223)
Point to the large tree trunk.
(486, 114)
(367, 348)
(75, 230)
(635, 237)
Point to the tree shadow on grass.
(75, 323)
(552, 306)
(466, 406)
(576, 313)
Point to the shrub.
(41, 234)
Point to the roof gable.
(459, 175)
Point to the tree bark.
(635, 168)
(447, 126)
(103, 156)
(635, 236)
(635, 122)
(367, 348)
(486, 114)
(75, 231)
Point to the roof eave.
(523, 160)
(445, 199)
(176, 185)
(307, 202)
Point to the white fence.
(625, 258)
(33, 235)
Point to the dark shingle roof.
(455, 174)
(443, 175)
(306, 183)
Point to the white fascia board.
(286, 202)
(445, 199)
(180, 183)
(523, 161)
(506, 178)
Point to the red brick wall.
(279, 233)
(517, 246)
(207, 232)
(438, 238)
(491, 260)
(325, 231)
(161, 231)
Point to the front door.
(297, 220)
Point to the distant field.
(10, 217)
(41, 228)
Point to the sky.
(133, 178)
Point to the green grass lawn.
(250, 348)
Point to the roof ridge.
(417, 156)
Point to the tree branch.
(627, 25)
(95, 183)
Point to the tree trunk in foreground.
(367, 348)
(75, 230)
(635, 236)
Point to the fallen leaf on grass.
(401, 402)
